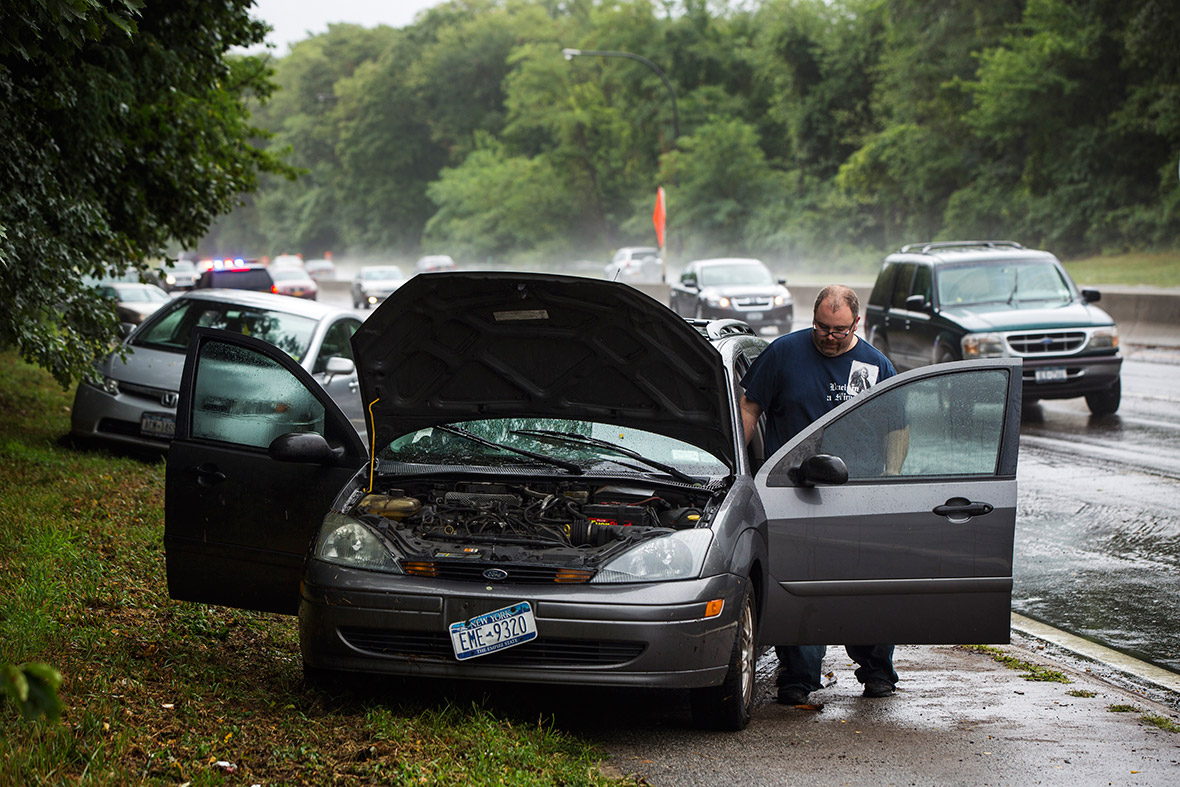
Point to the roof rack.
(925, 248)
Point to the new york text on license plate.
(484, 634)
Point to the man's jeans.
(800, 665)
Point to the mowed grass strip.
(163, 692)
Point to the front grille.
(753, 302)
(115, 426)
(146, 392)
(473, 571)
(1047, 342)
(541, 652)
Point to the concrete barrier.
(1145, 317)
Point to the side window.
(901, 290)
(922, 285)
(689, 276)
(884, 286)
(948, 425)
(336, 344)
(244, 398)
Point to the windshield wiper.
(574, 437)
(564, 465)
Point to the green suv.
(936, 302)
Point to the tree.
(123, 128)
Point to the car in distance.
(733, 288)
(433, 263)
(636, 265)
(374, 283)
(320, 269)
(946, 301)
(132, 402)
(177, 275)
(294, 282)
(553, 495)
(237, 276)
(134, 301)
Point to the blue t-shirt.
(794, 383)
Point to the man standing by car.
(797, 379)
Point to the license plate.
(157, 425)
(1054, 374)
(484, 634)
(753, 315)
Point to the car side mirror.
(783, 282)
(340, 365)
(916, 303)
(125, 329)
(308, 447)
(819, 469)
(1091, 296)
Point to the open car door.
(891, 519)
(260, 453)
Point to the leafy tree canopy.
(124, 128)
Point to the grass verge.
(1135, 269)
(163, 692)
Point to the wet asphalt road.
(1098, 527)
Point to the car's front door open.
(237, 523)
(915, 547)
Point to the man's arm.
(897, 446)
(751, 412)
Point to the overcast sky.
(295, 20)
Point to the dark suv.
(936, 302)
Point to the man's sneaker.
(792, 695)
(877, 688)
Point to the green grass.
(1136, 269)
(159, 692)
(1029, 671)
(1082, 693)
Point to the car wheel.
(730, 705)
(1106, 402)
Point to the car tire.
(730, 705)
(1106, 402)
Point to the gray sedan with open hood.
(555, 490)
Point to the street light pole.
(570, 54)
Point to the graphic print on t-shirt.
(861, 377)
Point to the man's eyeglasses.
(839, 333)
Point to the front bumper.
(1083, 375)
(97, 415)
(779, 317)
(644, 635)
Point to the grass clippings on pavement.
(1029, 671)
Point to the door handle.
(961, 507)
(208, 475)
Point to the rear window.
(257, 279)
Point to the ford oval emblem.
(495, 573)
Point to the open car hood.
(448, 347)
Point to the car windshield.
(1012, 282)
(383, 274)
(740, 273)
(170, 327)
(441, 446)
(134, 293)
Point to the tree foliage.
(123, 130)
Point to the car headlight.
(718, 301)
(983, 345)
(1105, 338)
(108, 384)
(678, 555)
(779, 300)
(347, 542)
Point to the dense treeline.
(806, 128)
